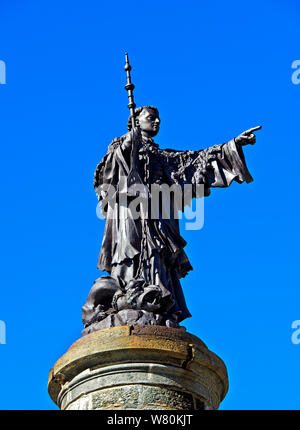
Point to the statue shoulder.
(115, 143)
(173, 153)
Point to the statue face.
(149, 122)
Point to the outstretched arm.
(216, 166)
(230, 164)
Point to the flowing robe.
(153, 249)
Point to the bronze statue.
(144, 255)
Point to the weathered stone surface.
(138, 368)
(143, 397)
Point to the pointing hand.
(247, 137)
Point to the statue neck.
(146, 136)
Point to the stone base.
(134, 367)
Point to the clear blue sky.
(213, 69)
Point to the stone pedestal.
(134, 367)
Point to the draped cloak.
(154, 247)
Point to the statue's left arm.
(217, 166)
(230, 164)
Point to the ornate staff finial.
(129, 87)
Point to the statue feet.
(113, 303)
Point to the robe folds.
(153, 249)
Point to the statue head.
(147, 117)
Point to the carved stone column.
(134, 367)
